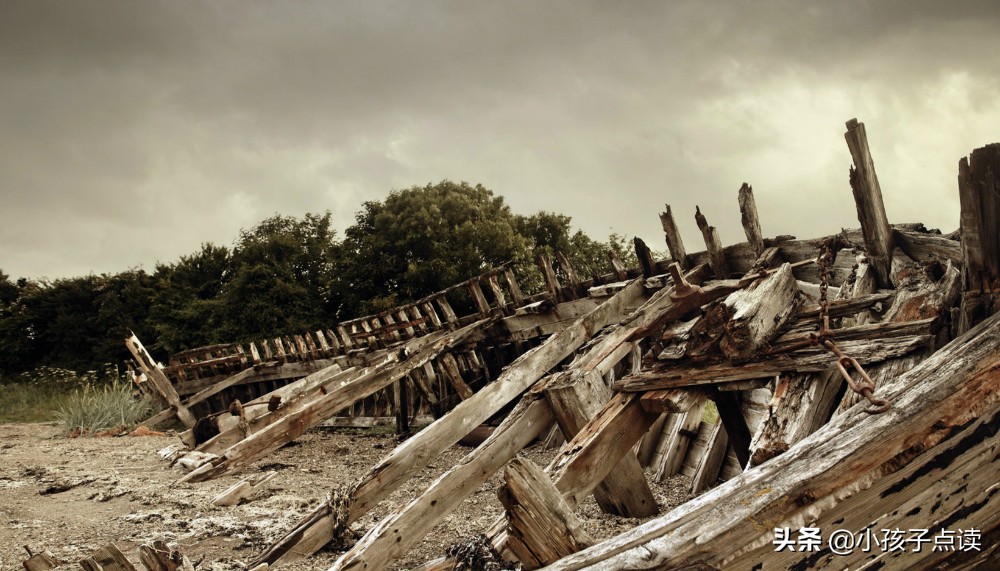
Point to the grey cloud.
(174, 123)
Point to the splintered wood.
(720, 380)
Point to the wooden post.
(617, 267)
(868, 199)
(716, 256)
(751, 224)
(646, 261)
(549, 275)
(674, 243)
(498, 295)
(482, 306)
(401, 402)
(515, 290)
(979, 196)
(159, 380)
(574, 280)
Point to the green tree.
(424, 239)
(280, 280)
(185, 311)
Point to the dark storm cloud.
(131, 132)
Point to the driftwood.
(159, 380)
(42, 561)
(242, 490)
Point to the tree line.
(287, 275)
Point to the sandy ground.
(120, 493)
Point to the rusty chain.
(824, 336)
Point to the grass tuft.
(98, 407)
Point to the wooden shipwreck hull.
(621, 368)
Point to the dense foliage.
(287, 275)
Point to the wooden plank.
(671, 401)
(868, 199)
(800, 405)
(449, 313)
(107, 558)
(716, 256)
(673, 238)
(449, 368)
(945, 413)
(541, 527)
(482, 306)
(650, 441)
(751, 223)
(497, 293)
(676, 443)
(617, 267)
(159, 380)
(513, 288)
(710, 464)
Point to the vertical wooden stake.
(674, 243)
(716, 256)
(748, 216)
(868, 199)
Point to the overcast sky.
(131, 132)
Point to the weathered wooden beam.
(158, 556)
(672, 401)
(617, 267)
(317, 528)
(710, 463)
(805, 360)
(751, 223)
(482, 306)
(588, 458)
(673, 238)
(650, 440)
(513, 288)
(541, 527)
(159, 380)
(549, 276)
(575, 399)
(716, 255)
(936, 442)
(731, 413)
(868, 198)
(801, 403)
(242, 490)
(757, 312)
(42, 561)
(677, 439)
